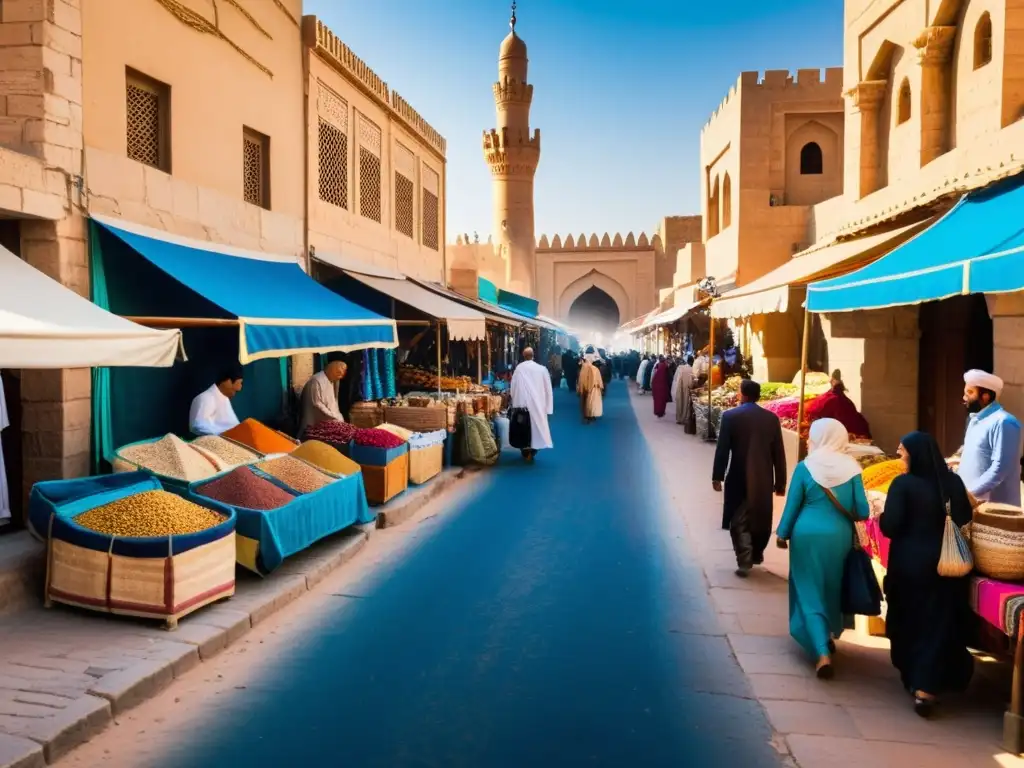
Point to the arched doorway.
(594, 310)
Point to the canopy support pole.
(711, 372)
(804, 345)
(438, 357)
(479, 362)
(181, 322)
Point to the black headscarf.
(927, 464)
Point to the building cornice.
(318, 37)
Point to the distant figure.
(531, 389)
(750, 446)
(661, 386)
(570, 369)
(589, 389)
(681, 396)
(641, 372)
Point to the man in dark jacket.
(750, 447)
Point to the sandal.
(824, 669)
(924, 705)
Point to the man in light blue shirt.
(990, 461)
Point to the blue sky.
(621, 90)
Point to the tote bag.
(520, 431)
(955, 559)
(861, 595)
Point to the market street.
(551, 620)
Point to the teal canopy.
(978, 247)
(281, 310)
(523, 305)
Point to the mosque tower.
(512, 154)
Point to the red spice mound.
(331, 431)
(260, 437)
(243, 488)
(376, 438)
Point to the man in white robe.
(5, 497)
(211, 412)
(320, 396)
(531, 389)
(640, 373)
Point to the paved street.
(582, 611)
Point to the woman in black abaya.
(929, 615)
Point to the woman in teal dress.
(819, 537)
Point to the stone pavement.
(861, 718)
(65, 674)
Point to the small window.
(903, 106)
(983, 41)
(369, 185)
(726, 202)
(431, 226)
(333, 165)
(256, 168)
(147, 128)
(811, 161)
(404, 202)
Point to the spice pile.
(397, 431)
(225, 452)
(337, 432)
(878, 477)
(376, 438)
(295, 474)
(260, 437)
(170, 456)
(150, 513)
(244, 488)
(326, 457)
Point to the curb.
(199, 638)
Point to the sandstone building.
(241, 123)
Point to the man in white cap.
(990, 459)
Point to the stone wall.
(878, 353)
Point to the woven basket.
(425, 463)
(366, 415)
(166, 588)
(417, 419)
(997, 541)
(384, 483)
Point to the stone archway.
(595, 279)
(595, 310)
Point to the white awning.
(45, 325)
(669, 316)
(770, 293)
(463, 323)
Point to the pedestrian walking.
(589, 388)
(750, 446)
(531, 390)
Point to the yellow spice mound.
(150, 513)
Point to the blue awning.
(524, 305)
(978, 247)
(281, 310)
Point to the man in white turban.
(990, 459)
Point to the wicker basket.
(997, 541)
(385, 483)
(425, 463)
(417, 419)
(366, 415)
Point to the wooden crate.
(384, 483)
(425, 463)
(165, 588)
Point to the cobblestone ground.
(863, 717)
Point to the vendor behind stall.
(211, 412)
(834, 404)
(990, 458)
(320, 396)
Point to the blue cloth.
(820, 537)
(259, 292)
(990, 462)
(975, 248)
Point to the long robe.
(649, 375)
(589, 389)
(570, 369)
(641, 373)
(5, 496)
(928, 616)
(834, 404)
(750, 446)
(531, 389)
(661, 386)
(820, 538)
(681, 395)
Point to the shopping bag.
(861, 594)
(520, 432)
(955, 559)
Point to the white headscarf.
(827, 460)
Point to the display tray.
(385, 483)
(266, 538)
(425, 463)
(150, 577)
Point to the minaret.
(512, 154)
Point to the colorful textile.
(366, 382)
(998, 602)
(877, 542)
(834, 404)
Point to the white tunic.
(641, 371)
(211, 413)
(319, 402)
(5, 497)
(531, 389)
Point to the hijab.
(827, 460)
(926, 462)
